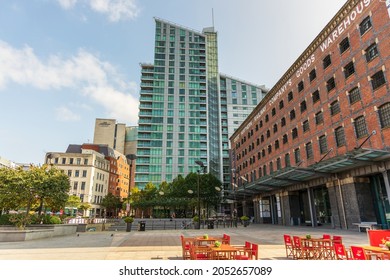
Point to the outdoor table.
(320, 248)
(377, 249)
(224, 252)
(200, 240)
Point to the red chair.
(341, 253)
(302, 250)
(358, 253)
(289, 245)
(244, 252)
(326, 236)
(337, 239)
(255, 251)
(200, 252)
(226, 239)
(185, 245)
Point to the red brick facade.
(253, 148)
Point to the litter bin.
(141, 226)
(210, 225)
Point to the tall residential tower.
(188, 109)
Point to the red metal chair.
(302, 250)
(226, 239)
(289, 246)
(255, 251)
(244, 252)
(337, 239)
(326, 236)
(358, 253)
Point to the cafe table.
(318, 248)
(376, 249)
(200, 240)
(223, 252)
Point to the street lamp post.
(130, 159)
(200, 163)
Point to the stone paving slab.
(159, 244)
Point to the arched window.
(384, 115)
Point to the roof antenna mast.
(212, 15)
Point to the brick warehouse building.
(316, 149)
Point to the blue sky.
(64, 63)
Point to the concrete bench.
(366, 225)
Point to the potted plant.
(205, 236)
(128, 220)
(217, 244)
(308, 236)
(195, 220)
(245, 220)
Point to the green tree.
(112, 203)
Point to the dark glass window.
(276, 144)
(273, 112)
(285, 138)
(294, 133)
(354, 95)
(319, 118)
(278, 164)
(377, 80)
(283, 121)
(349, 69)
(360, 127)
(290, 96)
(287, 161)
(300, 86)
(371, 52)
(275, 128)
(309, 150)
(269, 149)
(315, 96)
(303, 106)
(326, 61)
(306, 126)
(344, 45)
(297, 155)
(384, 115)
(268, 133)
(266, 118)
(335, 108)
(292, 114)
(323, 144)
(340, 136)
(365, 25)
(281, 104)
(312, 75)
(330, 84)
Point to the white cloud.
(65, 114)
(116, 10)
(82, 72)
(67, 4)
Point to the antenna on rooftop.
(212, 15)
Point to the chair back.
(358, 253)
(337, 239)
(287, 240)
(297, 241)
(255, 251)
(226, 239)
(248, 245)
(341, 253)
(326, 236)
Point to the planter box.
(12, 234)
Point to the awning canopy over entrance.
(295, 175)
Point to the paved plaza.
(160, 244)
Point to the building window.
(377, 80)
(271, 167)
(335, 108)
(294, 133)
(303, 106)
(340, 136)
(283, 121)
(349, 69)
(292, 114)
(278, 164)
(319, 118)
(84, 173)
(263, 153)
(69, 173)
(384, 115)
(269, 149)
(306, 126)
(371, 52)
(326, 61)
(266, 118)
(315, 96)
(261, 124)
(300, 86)
(360, 127)
(273, 112)
(75, 184)
(365, 25)
(312, 75)
(297, 156)
(276, 144)
(264, 170)
(330, 84)
(262, 138)
(309, 150)
(323, 144)
(285, 138)
(281, 104)
(290, 96)
(275, 128)
(354, 95)
(344, 45)
(260, 172)
(287, 161)
(268, 133)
